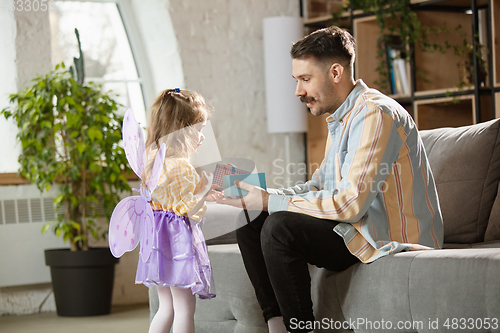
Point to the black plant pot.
(82, 280)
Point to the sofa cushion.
(465, 162)
(410, 290)
(493, 229)
(221, 222)
(235, 307)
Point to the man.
(373, 195)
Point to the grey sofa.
(456, 289)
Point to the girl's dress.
(179, 257)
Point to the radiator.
(23, 212)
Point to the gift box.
(222, 170)
(256, 179)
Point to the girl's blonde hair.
(172, 116)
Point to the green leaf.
(81, 146)
(58, 199)
(46, 227)
(94, 167)
(95, 133)
(58, 232)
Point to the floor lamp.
(285, 113)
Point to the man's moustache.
(305, 99)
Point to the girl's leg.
(184, 306)
(162, 322)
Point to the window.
(108, 57)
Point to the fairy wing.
(157, 167)
(132, 219)
(125, 224)
(133, 141)
(147, 235)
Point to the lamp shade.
(285, 112)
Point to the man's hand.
(256, 199)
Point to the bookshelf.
(435, 98)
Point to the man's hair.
(332, 44)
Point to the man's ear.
(336, 72)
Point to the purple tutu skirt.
(179, 257)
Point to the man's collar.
(349, 103)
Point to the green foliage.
(69, 134)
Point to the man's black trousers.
(276, 249)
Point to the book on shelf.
(390, 66)
(397, 68)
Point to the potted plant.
(70, 132)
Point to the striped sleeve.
(371, 142)
(314, 184)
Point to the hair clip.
(177, 90)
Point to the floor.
(122, 319)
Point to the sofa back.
(465, 162)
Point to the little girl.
(179, 264)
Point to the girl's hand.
(214, 195)
(205, 184)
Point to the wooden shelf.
(327, 20)
(440, 71)
(445, 112)
(321, 21)
(444, 92)
(447, 3)
(317, 133)
(12, 179)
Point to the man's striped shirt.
(375, 179)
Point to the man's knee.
(249, 221)
(277, 227)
